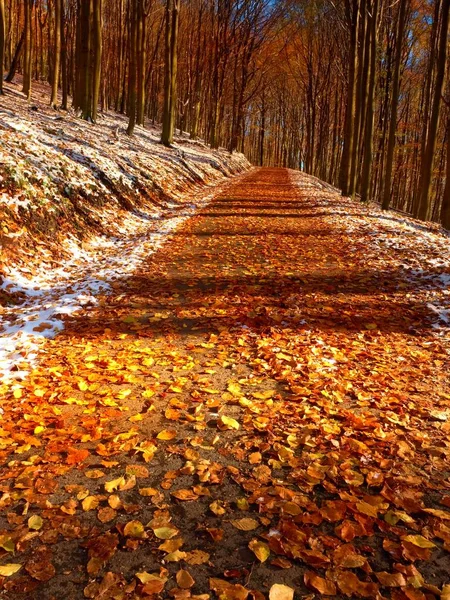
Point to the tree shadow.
(185, 305)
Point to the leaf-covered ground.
(261, 409)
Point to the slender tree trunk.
(352, 12)
(86, 67)
(368, 136)
(97, 46)
(15, 60)
(445, 208)
(132, 68)
(425, 113)
(57, 54)
(166, 121)
(64, 81)
(27, 54)
(170, 79)
(174, 66)
(141, 64)
(2, 42)
(394, 106)
(360, 99)
(195, 111)
(424, 211)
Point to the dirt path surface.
(263, 402)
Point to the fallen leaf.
(227, 423)
(245, 524)
(165, 533)
(260, 550)
(184, 579)
(279, 591)
(10, 569)
(321, 585)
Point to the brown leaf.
(186, 495)
(321, 585)
(390, 579)
(184, 579)
(349, 584)
(245, 524)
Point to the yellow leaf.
(8, 570)
(144, 577)
(112, 485)
(175, 556)
(167, 434)
(6, 543)
(227, 423)
(260, 550)
(134, 529)
(136, 418)
(165, 533)
(90, 503)
(419, 540)
(35, 522)
(280, 591)
(235, 389)
(264, 395)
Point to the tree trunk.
(352, 13)
(97, 46)
(57, 54)
(174, 66)
(394, 106)
(2, 42)
(170, 79)
(64, 82)
(142, 61)
(445, 208)
(424, 211)
(15, 60)
(132, 69)
(27, 54)
(368, 136)
(166, 121)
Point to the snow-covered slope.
(62, 178)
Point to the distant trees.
(347, 90)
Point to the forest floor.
(261, 408)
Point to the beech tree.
(57, 53)
(2, 42)
(170, 71)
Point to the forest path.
(264, 401)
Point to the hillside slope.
(64, 182)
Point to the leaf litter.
(260, 410)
